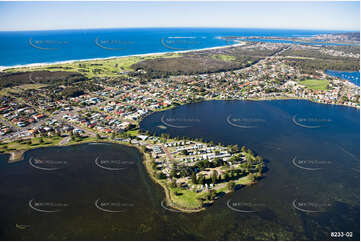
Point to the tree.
(113, 135)
(259, 159)
(173, 172)
(243, 149)
(98, 137)
(231, 185)
(154, 165)
(251, 177)
(184, 152)
(161, 175)
(226, 177)
(212, 194)
(194, 178)
(235, 148)
(201, 180)
(217, 162)
(173, 183)
(214, 177)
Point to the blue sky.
(85, 15)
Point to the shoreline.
(168, 198)
(34, 65)
(18, 155)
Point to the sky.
(91, 15)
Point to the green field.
(35, 143)
(185, 198)
(315, 84)
(99, 68)
(228, 58)
(18, 89)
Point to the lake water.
(102, 191)
(352, 76)
(27, 47)
(312, 152)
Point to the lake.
(352, 76)
(312, 152)
(102, 191)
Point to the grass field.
(35, 143)
(185, 198)
(228, 58)
(314, 84)
(99, 68)
(21, 88)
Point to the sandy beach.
(33, 65)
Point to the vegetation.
(224, 57)
(185, 198)
(27, 144)
(207, 61)
(11, 79)
(314, 59)
(95, 68)
(314, 84)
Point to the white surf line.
(237, 125)
(170, 47)
(37, 65)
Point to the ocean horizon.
(37, 47)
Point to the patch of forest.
(43, 77)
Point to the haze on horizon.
(92, 15)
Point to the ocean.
(31, 47)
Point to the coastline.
(34, 65)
